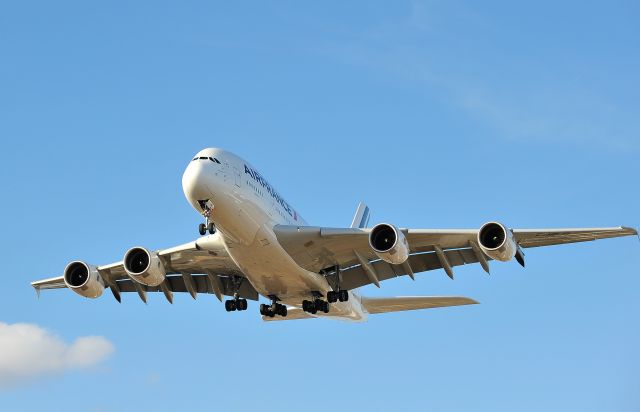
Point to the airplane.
(253, 243)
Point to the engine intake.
(389, 243)
(83, 279)
(497, 242)
(144, 267)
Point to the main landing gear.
(234, 304)
(208, 225)
(339, 295)
(237, 303)
(273, 309)
(315, 306)
(319, 305)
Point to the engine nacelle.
(389, 243)
(144, 267)
(497, 242)
(84, 279)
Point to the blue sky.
(437, 114)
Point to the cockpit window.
(213, 159)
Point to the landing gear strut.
(273, 309)
(208, 225)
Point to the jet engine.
(497, 242)
(389, 243)
(84, 279)
(144, 267)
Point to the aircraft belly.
(251, 243)
(272, 271)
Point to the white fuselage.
(245, 209)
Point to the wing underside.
(189, 269)
(321, 249)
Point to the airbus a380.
(253, 243)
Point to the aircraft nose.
(194, 183)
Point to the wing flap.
(355, 276)
(201, 285)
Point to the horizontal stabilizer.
(399, 304)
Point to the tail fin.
(361, 219)
(399, 304)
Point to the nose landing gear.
(208, 225)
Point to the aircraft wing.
(317, 248)
(192, 267)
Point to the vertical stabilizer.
(361, 219)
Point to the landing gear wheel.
(211, 228)
(332, 296)
(264, 309)
(320, 305)
(230, 305)
(202, 228)
(243, 304)
(343, 295)
(281, 310)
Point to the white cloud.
(28, 351)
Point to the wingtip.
(632, 231)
